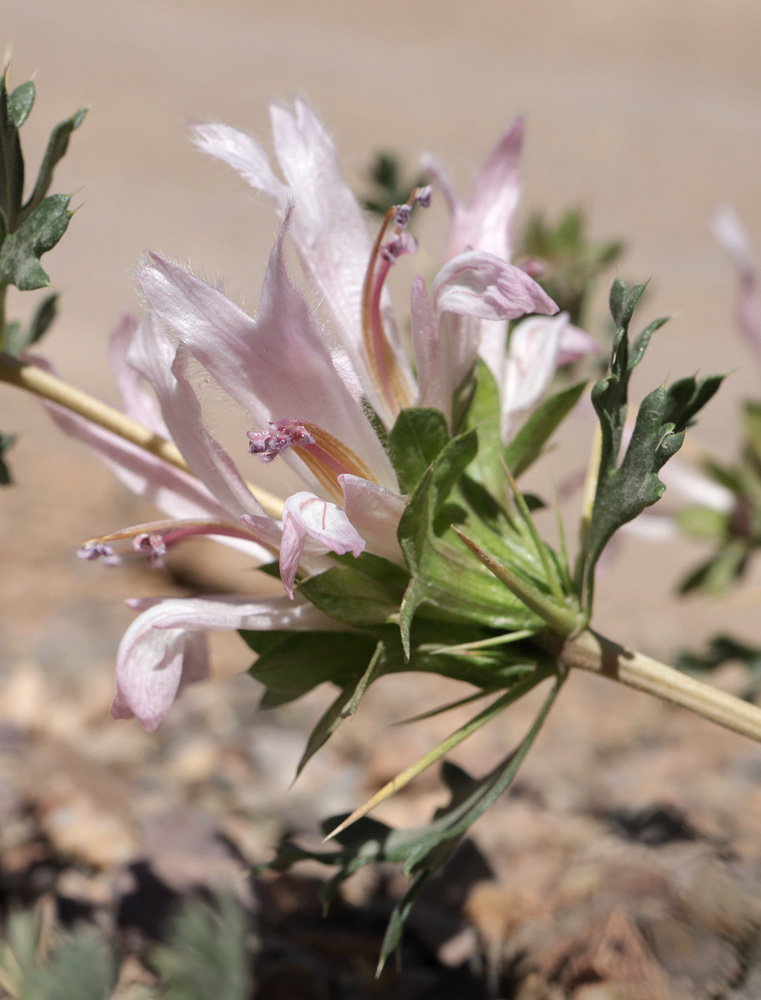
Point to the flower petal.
(139, 401)
(244, 155)
(375, 512)
(326, 222)
(530, 366)
(432, 353)
(165, 647)
(149, 667)
(575, 344)
(485, 221)
(277, 366)
(307, 516)
(153, 355)
(480, 284)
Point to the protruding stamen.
(389, 379)
(423, 196)
(153, 540)
(151, 545)
(402, 243)
(99, 550)
(326, 457)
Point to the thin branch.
(598, 655)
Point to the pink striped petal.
(307, 516)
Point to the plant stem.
(40, 382)
(593, 652)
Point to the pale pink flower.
(306, 395)
(477, 290)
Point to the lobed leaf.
(21, 250)
(623, 490)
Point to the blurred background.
(646, 115)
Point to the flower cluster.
(321, 391)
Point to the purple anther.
(402, 216)
(402, 243)
(284, 434)
(151, 546)
(99, 550)
(424, 196)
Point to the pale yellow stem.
(42, 383)
(592, 652)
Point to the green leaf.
(704, 523)
(720, 571)
(17, 339)
(11, 160)
(624, 490)
(366, 594)
(344, 706)
(58, 143)
(21, 250)
(721, 649)
(21, 102)
(423, 850)
(526, 446)
(293, 663)
(38, 966)
(416, 438)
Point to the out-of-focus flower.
(730, 232)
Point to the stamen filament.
(384, 366)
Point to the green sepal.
(21, 250)
(416, 438)
(447, 583)
(344, 706)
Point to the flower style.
(314, 400)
